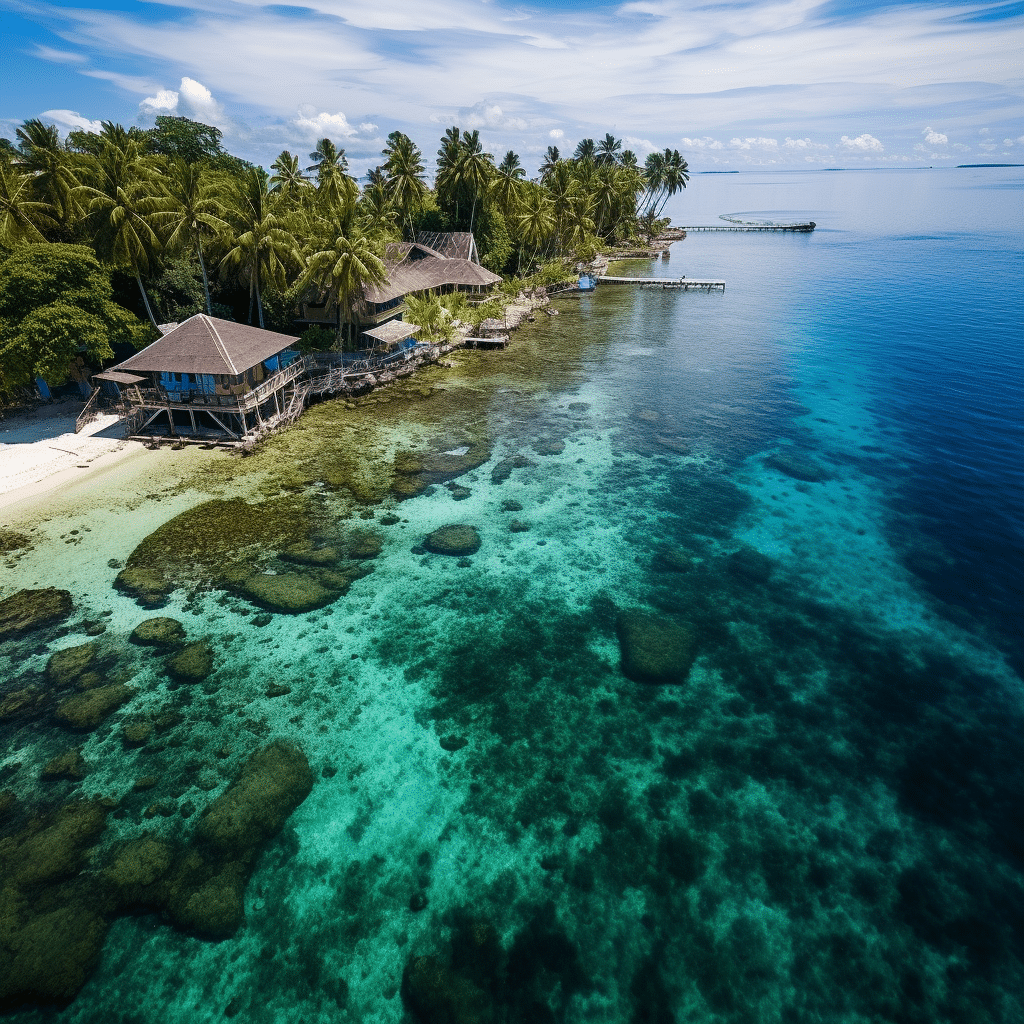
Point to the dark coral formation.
(54, 917)
(29, 610)
(654, 649)
(158, 631)
(457, 539)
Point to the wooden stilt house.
(210, 379)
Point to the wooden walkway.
(810, 226)
(686, 284)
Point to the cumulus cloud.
(191, 99)
(934, 138)
(643, 146)
(323, 125)
(556, 133)
(70, 119)
(489, 115)
(803, 145)
(861, 144)
(762, 144)
(705, 143)
(368, 127)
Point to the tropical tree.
(404, 183)
(55, 301)
(263, 248)
(21, 216)
(586, 151)
(536, 221)
(42, 155)
(122, 205)
(473, 168)
(287, 177)
(548, 164)
(194, 207)
(608, 149)
(336, 189)
(508, 182)
(341, 267)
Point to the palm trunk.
(259, 303)
(145, 299)
(206, 280)
(472, 213)
(251, 301)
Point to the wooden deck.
(686, 284)
(810, 226)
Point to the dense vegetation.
(165, 223)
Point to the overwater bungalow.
(208, 378)
(413, 268)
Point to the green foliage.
(55, 301)
(279, 311)
(179, 288)
(433, 315)
(493, 241)
(184, 139)
(316, 339)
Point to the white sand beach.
(40, 451)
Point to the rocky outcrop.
(290, 593)
(798, 467)
(29, 610)
(438, 995)
(654, 649)
(159, 631)
(84, 711)
(66, 667)
(457, 539)
(192, 664)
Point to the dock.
(809, 226)
(686, 284)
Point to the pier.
(809, 226)
(686, 284)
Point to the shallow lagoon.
(814, 473)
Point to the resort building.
(208, 376)
(439, 262)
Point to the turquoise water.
(817, 473)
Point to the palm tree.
(654, 179)
(474, 168)
(605, 194)
(536, 221)
(123, 203)
(676, 175)
(404, 182)
(263, 247)
(627, 158)
(551, 158)
(337, 190)
(288, 177)
(585, 151)
(445, 181)
(21, 216)
(608, 150)
(341, 267)
(41, 154)
(194, 208)
(508, 183)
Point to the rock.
(136, 734)
(52, 954)
(89, 681)
(130, 879)
(159, 631)
(86, 710)
(550, 446)
(511, 505)
(673, 559)
(192, 664)
(440, 996)
(798, 467)
(164, 808)
(289, 592)
(458, 492)
(654, 649)
(29, 610)
(56, 850)
(306, 554)
(262, 620)
(503, 470)
(518, 526)
(418, 902)
(453, 743)
(21, 705)
(278, 690)
(364, 544)
(146, 585)
(270, 785)
(749, 564)
(66, 666)
(69, 765)
(453, 540)
(146, 782)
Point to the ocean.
(721, 721)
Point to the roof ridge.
(220, 344)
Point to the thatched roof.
(459, 245)
(204, 344)
(392, 332)
(428, 272)
(118, 378)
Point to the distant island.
(988, 165)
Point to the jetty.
(686, 284)
(809, 226)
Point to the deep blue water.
(815, 477)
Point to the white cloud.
(803, 145)
(934, 138)
(323, 125)
(861, 144)
(984, 131)
(961, 148)
(762, 144)
(638, 145)
(705, 143)
(164, 102)
(489, 115)
(191, 99)
(556, 133)
(69, 119)
(1007, 142)
(368, 126)
(58, 56)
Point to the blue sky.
(775, 83)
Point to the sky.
(733, 85)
